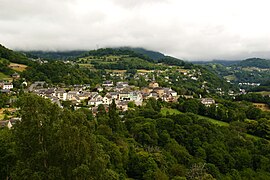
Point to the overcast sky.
(187, 29)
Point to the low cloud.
(191, 30)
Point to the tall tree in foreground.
(56, 144)
(114, 121)
(34, 136)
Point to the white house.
(96, 100)
(124, 96)
(122, 84)
(61, 95)
(107, 84)
(115, 95)
(207, 101)
(123, 105)
(173, 93)
(7, 86)
(72, 94)
(107, 99)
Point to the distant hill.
(158, 57)
(255, 62)
(12, 56)
(51, 55)
(222, 62)
(151, 54)
(139, 53)
(148, 55)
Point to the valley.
(136, 113)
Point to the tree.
(263, 128)
(198, 171)
(114, 119)
(131, 104)
(55, 144)
(154, 104)
(191, 105)
(34, 136)
(253, 113)
(8, 156)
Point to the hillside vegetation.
(255, 62)
(126, 56)
(143, 144)
(13, 56)
(11, 62)
(54, 55)
(251, 74)
(178, 138)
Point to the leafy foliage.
(60, 72)
(58, 55)
(151, 54)
(54, 143)
(12, 56)
(4, 67)
(255, 62)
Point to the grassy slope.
(110, 59)
(18, 67)
(3, 76)
(15, 67)
(164, 111)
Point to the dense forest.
(54, 143)
(4, 67)
(149, 56)
(254, 62)
(12, 56)
(59, 72)
(54, 55)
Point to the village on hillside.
(119, 86)
(123, 94)
(76, 96)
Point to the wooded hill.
(255, 62)
(143, 143)
(159, 140)
(8, 56)
(253, 70)
(89, 68)
(13, 56)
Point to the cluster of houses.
(121, 92)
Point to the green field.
(253, 137)
(264, 93)
(214, 121)
(164, 111)
(230, 77)
(4, 76)
(86, 65)
(2, 116)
